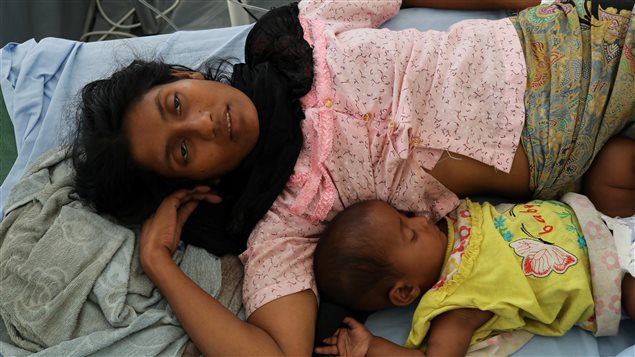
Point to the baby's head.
(371, 257)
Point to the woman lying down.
(328, 111)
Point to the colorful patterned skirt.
(581, 86)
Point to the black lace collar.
(277, 72)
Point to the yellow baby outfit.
(528, 266)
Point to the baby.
(476, 273)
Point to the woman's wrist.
(153, 260)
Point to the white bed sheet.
(40, 81)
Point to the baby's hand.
(351, 341)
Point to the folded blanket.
(606, 275)
(71, 280)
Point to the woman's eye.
(184, 151)
(177, 105)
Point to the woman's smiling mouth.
(229, 124)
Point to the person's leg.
(610, 181)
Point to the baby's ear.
(403, 293)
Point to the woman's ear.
(403, 293)
(186, 74)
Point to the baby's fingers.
(352, 323)
(327, 350)
(330, 340)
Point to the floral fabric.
(581, 86)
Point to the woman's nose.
(203, 125)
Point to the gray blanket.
(71, 283)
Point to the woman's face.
(192, 128)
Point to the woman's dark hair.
(348, 262)
(105, 174)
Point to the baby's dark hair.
(106, 176)
(350, 266)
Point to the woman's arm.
(281, 327)
(472, 4)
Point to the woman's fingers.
(178, 206)
(175, 199)
(187, 201)
(213, 198)
(199, 193)
(184, 212)
(209, 197)
(205, 193)
(201, 188)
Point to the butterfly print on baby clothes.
(541, 258)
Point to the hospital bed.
(40, 82)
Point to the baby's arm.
(356, 341)
(450, 333)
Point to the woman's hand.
(351, 341)
(161, 233)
